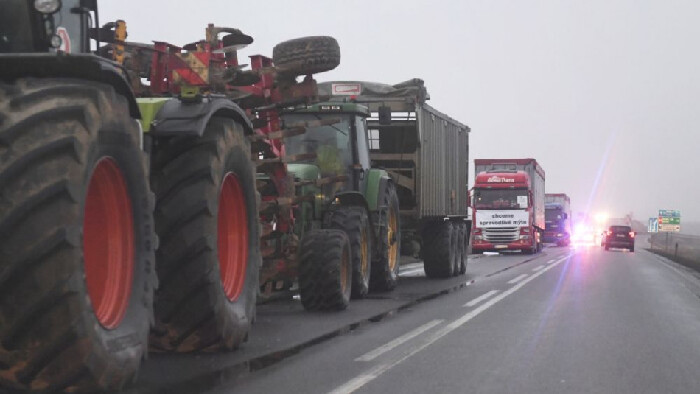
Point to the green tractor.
(340, 193)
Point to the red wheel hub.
(108, 243)
(233, 237)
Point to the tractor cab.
(335, 143)
(47, 26)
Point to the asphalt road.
(570, 320)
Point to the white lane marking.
(369, 356)
(361, 380)
(517, 279)
(550, 261)
(539, 267)
(480, 298)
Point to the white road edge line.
(550, 261)
(480, 298)
(361, 380)
(517, 279)
(369, 356)
(539, 267)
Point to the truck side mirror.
(384, 115)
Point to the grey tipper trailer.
(427, 155)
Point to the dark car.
(619, 237)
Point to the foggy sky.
(566, 82)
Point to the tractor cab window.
(330, 144)
(16, 34)
(362, 142)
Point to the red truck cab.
(507, 211)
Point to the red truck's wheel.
(76, 238)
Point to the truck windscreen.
(553, 218)
(331, 143)
(501, 198)
(553, 215)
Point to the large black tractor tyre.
(76, 238)
(325, 270)
(306, 55)
(209, 258)
(440, 250)
(385, 267)
(355, 222)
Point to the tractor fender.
(353, 198)
(377, 181)
(75, 66)
(184, 118)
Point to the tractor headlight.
(47, 6)
(56, 41)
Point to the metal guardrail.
(682, 248)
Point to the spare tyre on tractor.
(306, 55)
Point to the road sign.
(653, 225)
(669, 228)
(669, 220)
(669, 213)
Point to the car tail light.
(631, 234)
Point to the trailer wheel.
(325, 270)
(355, 222)
(306, 55)
(464, 253)
(208, 262)
(459, 245)
(440, 251)
(76, 238)
(385, 267)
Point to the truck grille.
(501, 235)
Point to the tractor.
(128, 193)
